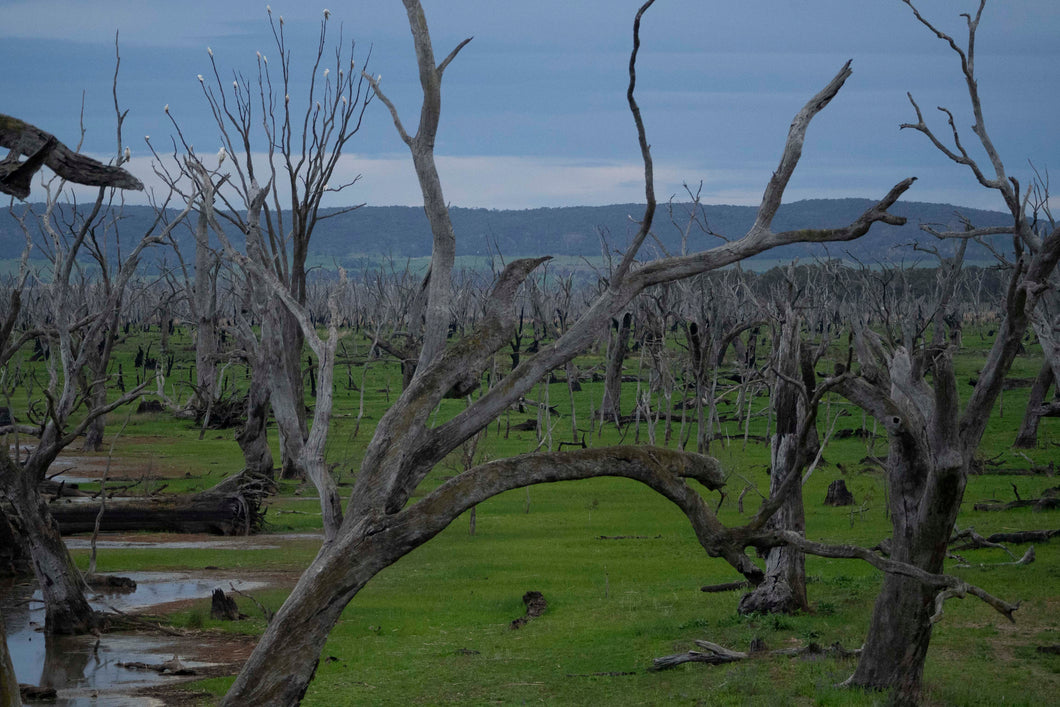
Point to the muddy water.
(85, 670)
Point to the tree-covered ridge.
(402, 231)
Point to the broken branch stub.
(44, 149)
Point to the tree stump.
(838, 495)
(223, 607)
(535, 606)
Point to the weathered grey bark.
(66, 609)
(93, 440)
(253, 439)
(203, 305)
(1027, 437)
(611, 405)
(784, 587)
(41, 148)
(286, 391)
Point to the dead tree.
(43, 149)
(1037, 407)
(73, 327)
(617, 348)
(302, 147)
(911, 389)
(381, 524)
(784, 587)
(74, 332)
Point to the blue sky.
(534, 109)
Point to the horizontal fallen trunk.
(215, 514)
(714, 654)
(726, 586)
(1046, 503)
(1024, 536)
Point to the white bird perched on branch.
(221, 154)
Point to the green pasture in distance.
(619, 566)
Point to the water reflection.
(85, 669)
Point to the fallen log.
(219, 515)
(1024, 536)
(1045, 503)
(714, 654)
(725, 587)
(233, 507)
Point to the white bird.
(127, 153)
(166, 109)
(221, 154)
(209, 51)
(200, 78)
(327, 13)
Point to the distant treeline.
(402, 231)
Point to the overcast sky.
(534, 110)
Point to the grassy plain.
(619, 567)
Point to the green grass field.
(619, 567)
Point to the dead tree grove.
(380, 524)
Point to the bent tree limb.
(947, 586)
(44, 149)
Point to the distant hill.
(402, 231)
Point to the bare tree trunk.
(293, 432)
(611, 406)
(784, 588)
(204, 307)
(253, 438)
(66, 608)
(288, 406)
(93, 441)
(1027, 437)
(900, 630)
